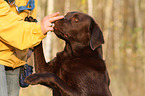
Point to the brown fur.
(79, 69)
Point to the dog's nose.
(64, 18)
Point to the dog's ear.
(97, 38)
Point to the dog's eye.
(75, 19)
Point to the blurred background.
(123, 26)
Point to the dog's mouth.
(58, 29)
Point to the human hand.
(46, 22)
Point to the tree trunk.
(48, 40)
(140, 51)
(67, 6)
(90, 7)
(107, 27)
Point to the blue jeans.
(9, 82)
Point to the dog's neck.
(81, 50)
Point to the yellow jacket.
(16, 34)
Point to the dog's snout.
(64, 18)
(57, 21)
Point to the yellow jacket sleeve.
(16, 32)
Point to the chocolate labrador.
(79, 69)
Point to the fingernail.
(62, 16)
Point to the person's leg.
(3, 82)
(13, 82)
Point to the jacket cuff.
(37, 31)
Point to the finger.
(55, 18)
(50, 24)
(50, 29)
(52, 15)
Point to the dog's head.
(79, 28)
